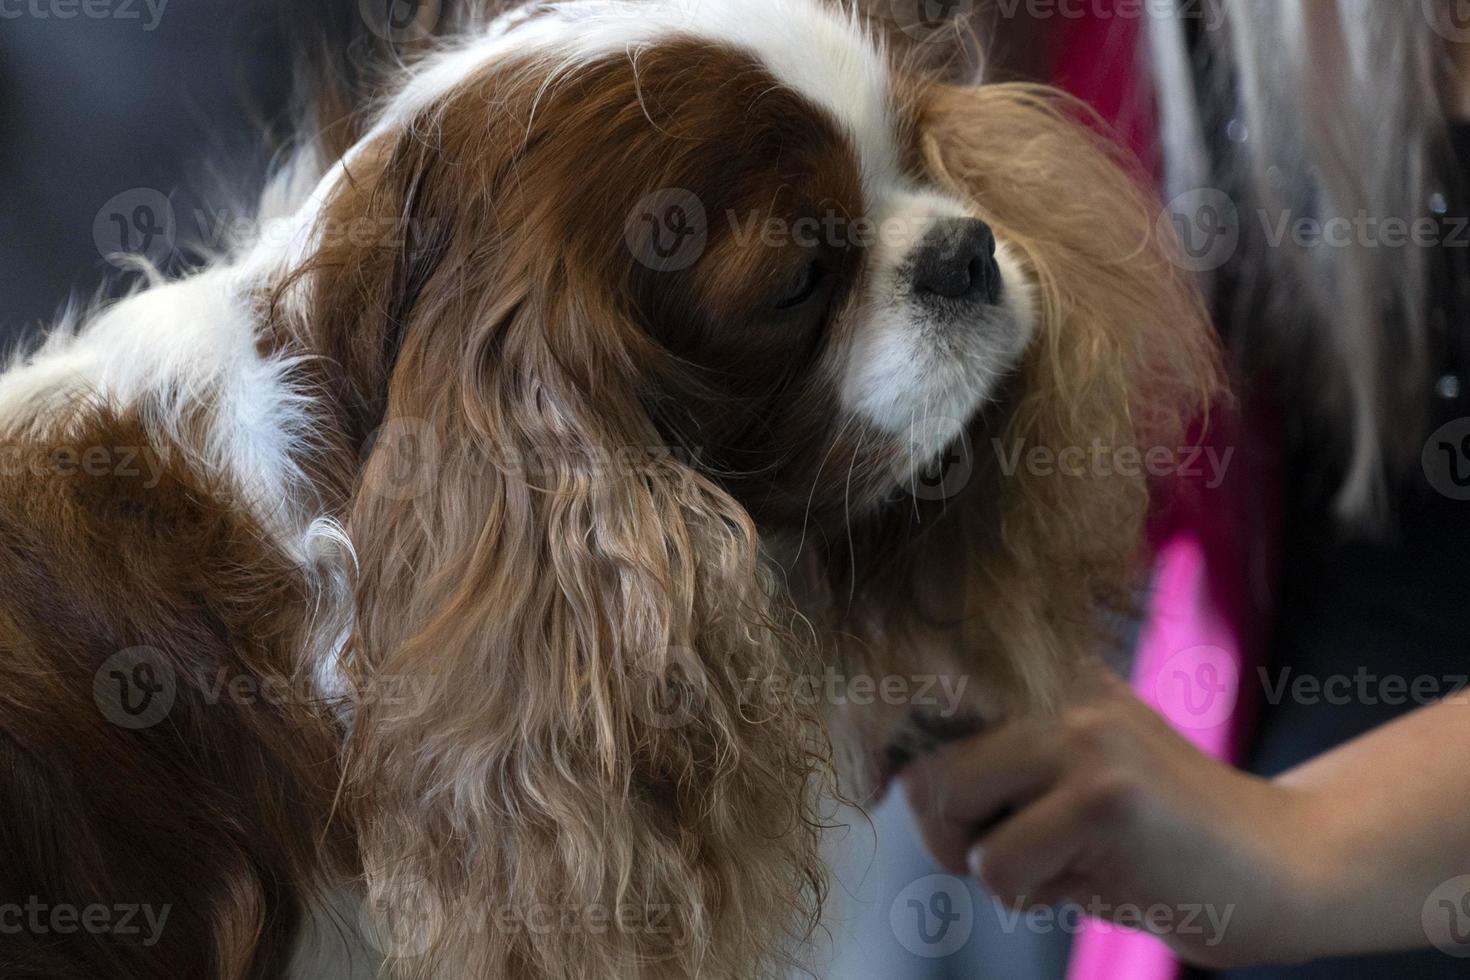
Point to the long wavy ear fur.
(557, 766)
(1011, 578)
(579, 746)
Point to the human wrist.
(1321, 872)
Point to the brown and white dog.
(471, 538)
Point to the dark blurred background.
(103, 115)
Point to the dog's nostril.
(957, 261)
(950, 279)
(978, 270)
(985, 279)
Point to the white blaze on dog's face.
(944, 311)
(747, 174)
(947, 315)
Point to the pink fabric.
(1094, 56)
(1209, 611)
(1189, 666)
(1206, 631)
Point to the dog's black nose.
(956, 261)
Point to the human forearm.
(1390, 824)
(1105, 806)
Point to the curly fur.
(594, 528)
(537, 609)
(1013, 579)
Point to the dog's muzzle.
(955, 264)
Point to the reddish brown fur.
(219, 811)
(571, 357)
(534, 599)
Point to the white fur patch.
(193, 343)
(915, 378)
(173, 346)
(818, 49)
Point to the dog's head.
(662, 313)
(727, 209)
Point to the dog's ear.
(575, 695)
(1035, 532)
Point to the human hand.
(1106, 806)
